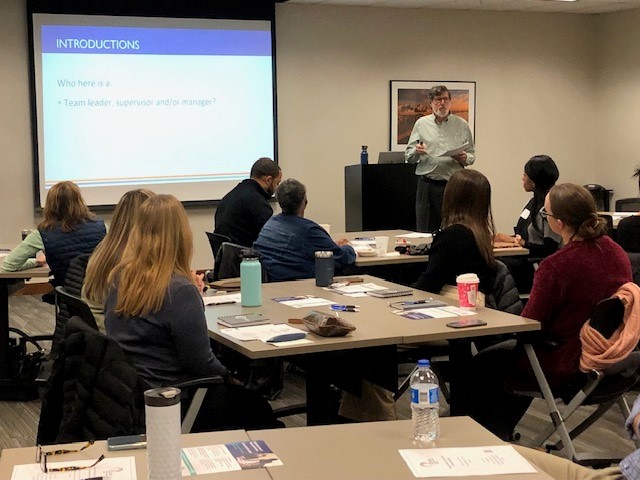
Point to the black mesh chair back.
(228, 262)
(600, 196)
(215, 241)
(628, 205)
(76, 307)
(609, 224)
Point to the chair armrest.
(538, 340)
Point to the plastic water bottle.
(364, 155)
(424, 403)
(250, 279)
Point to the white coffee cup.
(468, 290)
(382, 245)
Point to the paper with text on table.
(111, 468)
(222, 299)
(264, 333)
(465, 461)
(303, 301)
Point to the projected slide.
(179, 110)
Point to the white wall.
(616, 125)
(536, 82)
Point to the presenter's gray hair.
(291, 194)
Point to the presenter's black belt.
(431, 180)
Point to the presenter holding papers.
(440, 145)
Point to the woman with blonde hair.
(108, 253)
(465, 242)
(67, 230)
(155, 313)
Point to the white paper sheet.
(264, 333)
(115, 468)
(358, 288)
(307, 302)
(415, 235)
(455, 151)
(465, 461)
(222, 299)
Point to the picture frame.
(409, 101)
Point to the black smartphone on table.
(472, 322)
(127, 442)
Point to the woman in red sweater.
(567, 285)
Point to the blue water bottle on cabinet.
(364, 155)
(250, 279)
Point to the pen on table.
(222, 303)
(287, 337)
(345, 308)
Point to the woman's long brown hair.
(109, 251)
(161, 245)
(467, 201)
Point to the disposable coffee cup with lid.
(468, 290)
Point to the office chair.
(76, 307)
(95, 392)
(609, 224)
(628, 205)
(215, 241)
(602, 388)
(228, 262)
(601, 196)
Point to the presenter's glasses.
(41, 458)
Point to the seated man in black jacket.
(244, 210)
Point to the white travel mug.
(162, 410)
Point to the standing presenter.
(432, 136)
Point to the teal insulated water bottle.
(250, 279)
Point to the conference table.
(350, 452)
(392, 258)
(6, 280)
(377, 327)
(617, 216)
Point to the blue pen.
(287, 337)
(344, 308)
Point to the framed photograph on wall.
(410, 101)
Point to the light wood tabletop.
(365, 451)
(375, 323)
(20, 456)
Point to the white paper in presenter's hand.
(465, 461)
(455, 151)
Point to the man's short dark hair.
(265, 167)
(437, 91)
(291, 194)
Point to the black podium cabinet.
(380, 197)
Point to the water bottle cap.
(364, 147)
(424, 363)
(249, 254)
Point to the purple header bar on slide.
(154, 41)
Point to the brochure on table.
(466, 461)
(227, 458)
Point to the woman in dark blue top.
(156, 314)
